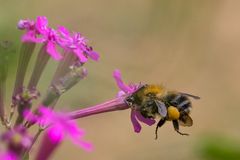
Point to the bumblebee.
(153, 101)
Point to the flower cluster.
(71, 51)
(39, 32)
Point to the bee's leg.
(160, 123)
(176, 127)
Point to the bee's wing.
(162, 109)
(185, 120)
(190, 95)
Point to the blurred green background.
(189, 45)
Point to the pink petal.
(64, 40)
(45, 112)
(85, 145)
(55, 134)
(29, 116)
(136, 125)
(62, 30)
(41, 24)
(118, 78)
(22, 24)
(25, 24)
(51, 49)
(73, 130)
(121, 93)
(93, 55)
(8, 156)
(30, 36)
(147, 121)
(80, 55)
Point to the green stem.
(40, 65)
(25, 55)
(26, 153)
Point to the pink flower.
(77, 44)
(26, 24)
(51, 40)
(42, 25)
(126, 90)
(39, 32)
(32, 34)
(8, 156)
(17, 137)
(60, 126)
(17, 140)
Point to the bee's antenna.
(190, 95)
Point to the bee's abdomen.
(180, 101)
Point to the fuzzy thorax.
(154, 89)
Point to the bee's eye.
(150, 95)
(149, 103)
(130, 99)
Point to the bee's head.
(129, 100)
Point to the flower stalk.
(2, 97)
(48, 145)
(41, 62)
(64, 66)
(23, 102)
(26, 152)
(25, 55)
(3, 77)
(77, 73)
(112, 105)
